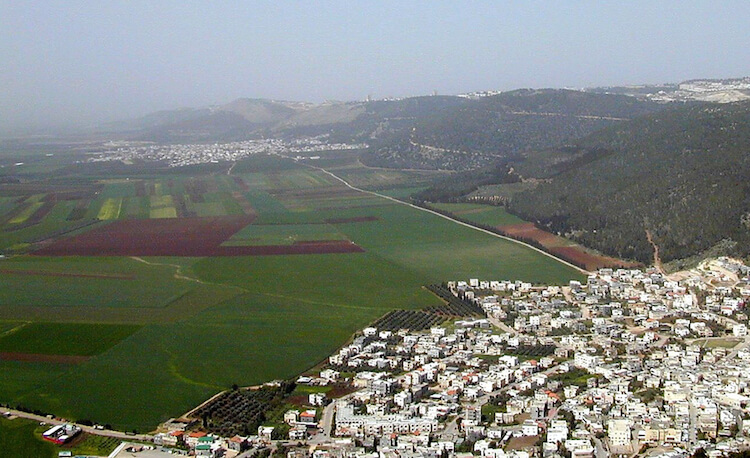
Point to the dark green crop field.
(81, 339)
(159, 334)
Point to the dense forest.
(682, 175)
(477, 133)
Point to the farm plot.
(489, 215)
(183, 237)
(563, 248)
(447, 250)
(25, 213)
(153, 237)
(512, 226)
(78, 339)
(298, 178)
(110, 209)
(85, 288)
(284, 234)
(371, 178)
(6, 326)
(22, 377)
(162, 207)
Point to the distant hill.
(259, 111)
(473, 133)
(435, 132)
(682, 174)
(697, 90)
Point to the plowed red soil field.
(591, 261)
(66, 274)
(180, 237)
(529, 231)
(558, 246)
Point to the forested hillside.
(478, 132)
(682, 175)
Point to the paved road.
(599, 450)
(88, 429)
(327, 420)
(499, 324)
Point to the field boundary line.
(312, 302)
(346, 183)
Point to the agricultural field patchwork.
(183, 282)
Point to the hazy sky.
(74, 61)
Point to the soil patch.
(66, 274)
(358, 219)
(560, 247)
(529, 231)
(198, 237)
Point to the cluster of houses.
(200, 443)
(61, 434)
(199, 153)
(627, 362)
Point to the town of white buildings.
(204, 153)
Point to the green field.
(203, 324)
(110, 209)
(82, 339)
(6, 326)
(18, 438)
(23, 438)
(26, 213)
(86, 282)
(284, 234)
(489, 215)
